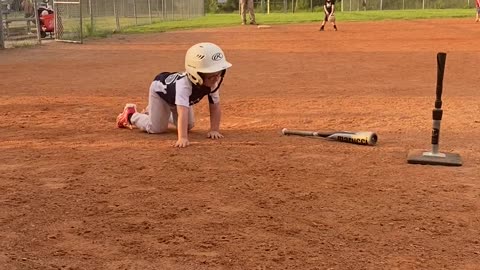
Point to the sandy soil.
(77, 193)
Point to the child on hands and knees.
(329, 9)
(173, 94)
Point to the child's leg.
(191, 117)
(156, 121)
(325, 19)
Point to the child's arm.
(215, 116)
(325, 9)
(182, 126)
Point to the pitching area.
(77, 193)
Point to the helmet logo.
(217, 57)
(200, 56)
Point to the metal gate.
(68, 21)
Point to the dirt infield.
(77, 193)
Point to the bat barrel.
(362, 138)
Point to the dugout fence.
(76, 19)
(16, 29)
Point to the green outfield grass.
(220, 20)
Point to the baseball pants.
(160, 113)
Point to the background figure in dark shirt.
(329, 9)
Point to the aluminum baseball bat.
(362, 137)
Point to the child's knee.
(156, 130)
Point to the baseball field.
(78, 193)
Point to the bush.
(213, 6)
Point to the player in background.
(247, 6)
(173, 94)
(329, 9)
(477, 5)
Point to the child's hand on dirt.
(214, 135)
(182, 142)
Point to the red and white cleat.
(122, 119)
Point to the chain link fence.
(68, 20)
(352, 5)
(75, 19)
(17, 28)
(101, 16)
(355, 5)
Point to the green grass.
(221, 20)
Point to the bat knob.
(284, 130)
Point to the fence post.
(81, 20)
(135, 11)
(91, 16)
(115, 13)
(164, 7)
(423, 4)
(381, 4)
(150, 11)
(37, 22)
(2, 43)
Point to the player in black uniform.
(329, 9)
(172, 95)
